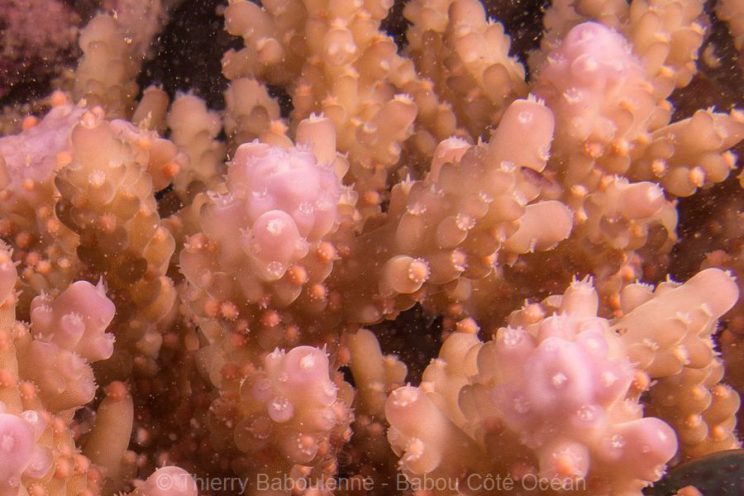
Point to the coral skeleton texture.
(212, 301)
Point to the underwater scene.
(371, 247)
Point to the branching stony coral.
(182, 309)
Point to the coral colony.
(194, 302)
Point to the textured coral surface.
(385, 250)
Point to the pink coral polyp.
(16, 448)
(290, 180)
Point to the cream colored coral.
(38, 452)
(380, 191)
(194, 129)
(621, 229)
(152, 109)
(109, 438)
(140, 21)
(287, 203)
(473, 212)
(666, 34)
(43, 246)
(691, 153)
(106, 74)
(106, 197)
(273, 36)
(603, 104)
(547, 395)
(562, 15)
(668, 333)
(732, 11)
(350, 72)
(285, 413)
(467, 57)
(250, 110)
(376, 374)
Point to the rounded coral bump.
(169, 481)
(16, 449)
